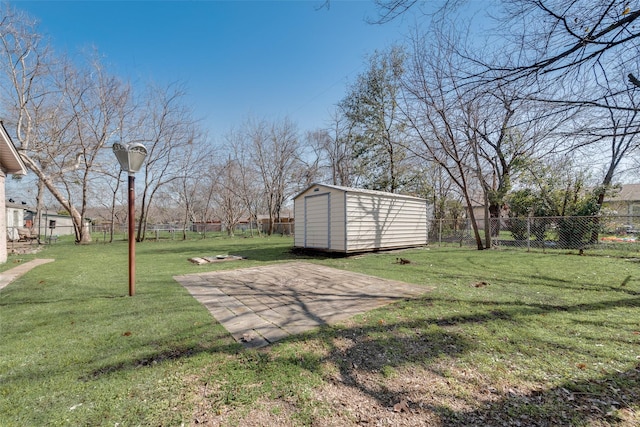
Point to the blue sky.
(266, 59)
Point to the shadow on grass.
(606, 400)
(554, 282)
(375, 349)
(154, 358)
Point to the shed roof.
(9, 158)
(358, 190)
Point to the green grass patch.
(540, 332)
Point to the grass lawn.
(505, 338)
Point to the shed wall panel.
(317, 219)
(351, 220)
(298, 214)
(337, 221)
(379, 222)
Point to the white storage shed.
(343, 219)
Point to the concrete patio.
(261, 305)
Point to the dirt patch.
(423, 396)
(417, 380)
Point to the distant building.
(15, 219)
(52, 224)
(626, 201)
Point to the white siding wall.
(350, 220)
(337, 220)
(15, 217)
(382, 222)
(3, 221)
(316, 224)
(298, 214)
(64, 225)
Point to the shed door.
(317, 221)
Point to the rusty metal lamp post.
(131, 157)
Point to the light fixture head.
(130, 156)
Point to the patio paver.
(261, 305)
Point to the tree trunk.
(82, 233)
(487, 224)
(474, 224)
(39, 206)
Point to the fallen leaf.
(401, 406)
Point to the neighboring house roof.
(628, 193)
(9, 158)
(17, 206)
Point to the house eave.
(9, 156)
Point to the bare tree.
(436, 122)
(98, 103)
(63, 115)
(274, 152)
(230, 206)
(339, 150)
(610, 134)
(190, 184)
(168, 129)
(510, 132)
(608, 137)
(556, 38)
(479, 136)
(564, 40)
(248, 186)
(311, 158)
(389, 10)
(333, 150)
(204, 188)
(633, 167)
(579, 54)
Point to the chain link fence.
(621, 233)
(568, 232)
(191, 231)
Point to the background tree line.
(539, 110)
